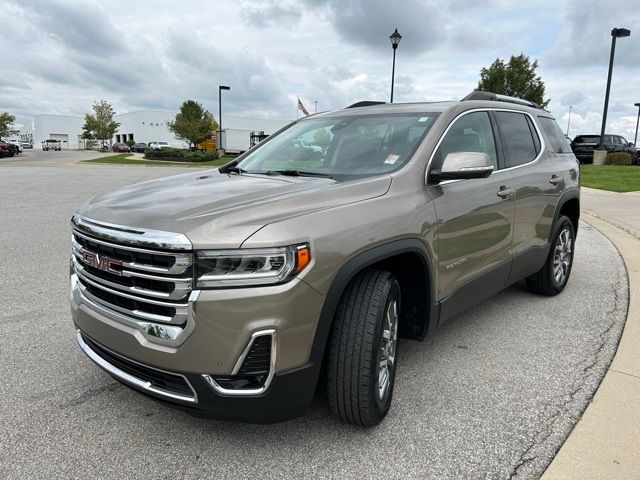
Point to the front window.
(342, 146)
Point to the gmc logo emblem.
(101, 262)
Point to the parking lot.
(492, 395)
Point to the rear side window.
(557, 141)
(517, 138)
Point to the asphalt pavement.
(492, 395)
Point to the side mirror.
(631, 144)
(464, 165)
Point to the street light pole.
(395, 38)
(569, 121)
(635, 139)
(220, 88)
(615, 33)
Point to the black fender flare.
(564, 198)
(348, 271)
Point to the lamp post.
(395, 38)
(635, 139)
(220, 88)
(615, 33)
(569, 121)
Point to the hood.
(221, 210)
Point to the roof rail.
(366, 103)
(480, 95)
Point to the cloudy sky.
(58, 56)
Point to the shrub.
(130, 142)
(618, 158)
(180, 155)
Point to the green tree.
(516, 78)
(6, 121)
(100, 125)
(193, 124)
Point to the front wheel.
(362, 355)
(553, 276)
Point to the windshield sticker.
(423, 119)
(391, 159)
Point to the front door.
(474, 220)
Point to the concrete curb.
(605, 443)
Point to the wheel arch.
(569, 205)
(408, 259)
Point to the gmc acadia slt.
(227, 293)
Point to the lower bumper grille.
(165, 384)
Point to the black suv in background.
(584, 145)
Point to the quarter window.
(517, 138)
(557, 141)
(470, 133)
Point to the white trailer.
(236, 141)
(236, 131)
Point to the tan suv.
(226, 293)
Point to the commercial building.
(142, 126)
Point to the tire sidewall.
(391, 292)
(562, 224)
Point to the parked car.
(51, 144)
(227, 294)
(159, 145)
(26, 145)
(120, 147)
(584, 145)
(6, 149)
(16, 146)
(139, 147)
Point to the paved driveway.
(493, 394)
(35, 157)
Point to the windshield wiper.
(297, 173)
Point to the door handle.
(555, 180)
(505, 192)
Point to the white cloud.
(270, 52)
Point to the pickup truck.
(51, 145)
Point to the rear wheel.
(361, 361)
(553, 276)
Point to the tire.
(549, 280)
(359, 389)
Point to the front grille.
(148, 286)
(167, 382)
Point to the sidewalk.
(605, 443)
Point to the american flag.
(301, 107)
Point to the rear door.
(538, 181)
(474, 219)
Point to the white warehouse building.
(143, 126)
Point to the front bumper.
(222, 323)
(288, 396)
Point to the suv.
(584, 145)
(227, 293)
(158, 145)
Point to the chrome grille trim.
(182, 286)
(182, 260)
(139, 237)
(147, 289)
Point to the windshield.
(342, 145)
(163, 143)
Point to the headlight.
(248, 267)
